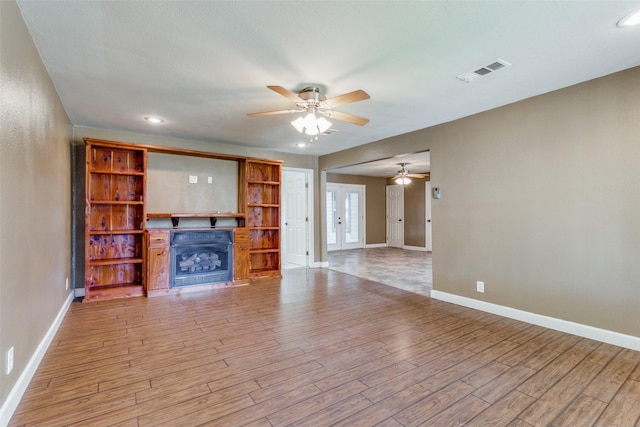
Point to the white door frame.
(395, 221)
(309, 212)
(428, 230)
(341, 189)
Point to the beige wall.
(539, 200)
(35, 212)
(375, 198)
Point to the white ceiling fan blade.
(273, 113)
(347, 98)
(349, 118)
(286, 93)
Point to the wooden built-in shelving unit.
(262, 201)
(123, 258)
(115, 221)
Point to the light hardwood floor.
(321, 348)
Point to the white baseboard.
(13, 399)
(415, 248)
(320, 264)
(375, 245)
(603, 335)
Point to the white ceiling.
(203, 65)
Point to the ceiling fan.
(403, 175)
(318, 108)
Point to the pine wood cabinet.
(158, 261)
(241, 248)
(114, 220)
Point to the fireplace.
(200, 257)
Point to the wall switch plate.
(480, 286)
(66, 284)
(210, 180)
(193, 179)
(9, 361)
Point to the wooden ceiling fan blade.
(347, 98)
(349, 118)
(272, 113)
(286, 93)
(418, 175)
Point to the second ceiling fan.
(403, 175)
(310, 100)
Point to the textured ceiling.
(202, 66)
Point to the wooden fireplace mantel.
(213, 217)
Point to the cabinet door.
(158, 262)
(241, 261)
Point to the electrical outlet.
(66, 284)
(193, 179)
(480, 286)
(210, 180)
(9, 361)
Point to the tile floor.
(400, 268)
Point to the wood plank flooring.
(321, 348)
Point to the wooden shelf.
(264, 251)
(263, 182)
(99, 232)
(130, 173)
(114, 261)
(124, 290)
(263, 205)
(213, 217)
(115, 202)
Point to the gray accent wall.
(540, 200)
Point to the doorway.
(297, 215)
(345, 216)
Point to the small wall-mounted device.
(436, 192)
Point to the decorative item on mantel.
(213, 217)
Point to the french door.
(345, 216)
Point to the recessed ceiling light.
(154, 120)
(301, 144)
(630, 19)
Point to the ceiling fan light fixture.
(311, 125)
(403, 180)
(323, 124)
(298, 124)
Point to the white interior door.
(427, 227)
(295, 218)
(345, 216)
(395, 216)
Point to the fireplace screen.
(201, 257)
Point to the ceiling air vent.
(498, 64)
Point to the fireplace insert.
(200, 257)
